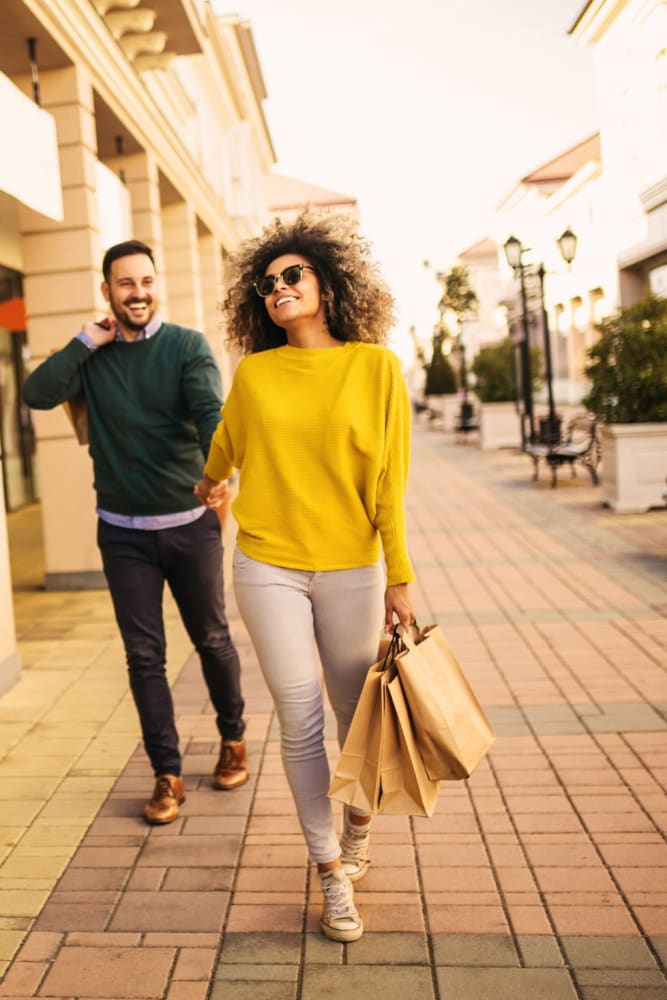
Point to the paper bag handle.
(409, 637)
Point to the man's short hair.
(125, 249)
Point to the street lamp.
(514, 250)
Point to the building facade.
(120, 121)
(629, 45)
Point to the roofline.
(580, 16)
(548, 180)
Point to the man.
(153, 396)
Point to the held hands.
(101, 333)
(397, 602)
(211, 492)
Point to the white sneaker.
(354, 848)
(340, 920)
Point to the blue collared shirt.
(143, 522)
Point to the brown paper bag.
(452, 731)
(380, 769)
(405, 787)
(356, 780)
(77, 414)
(76, 411)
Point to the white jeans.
(291, 616)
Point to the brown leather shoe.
(232, 767)
(167, 796)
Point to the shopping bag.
(451, 729)
(76, 411)
(405, 787)
(356, 779)
(380, 768)
(77, 414)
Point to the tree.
(459, 297)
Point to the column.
(182, 265)
(210, 261)
(62, 288)
(10, 658)
(142, 180)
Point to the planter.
(499, 426)
(445, 408)
(634, 466)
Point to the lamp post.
(514, 250)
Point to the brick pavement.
(544, 876)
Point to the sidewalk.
(541, 878)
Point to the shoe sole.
(229, 788)
(334, 934)
(358, 875)
(164, 822)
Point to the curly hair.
(359, 305)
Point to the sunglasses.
(290, 276)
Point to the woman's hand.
(211, 492)
(397, 602)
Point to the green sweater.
(153, 406)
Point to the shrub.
(628, 365)
(440, 375)
(493, 368)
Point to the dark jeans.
(189, 558)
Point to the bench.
(580, 444)
(433, 416)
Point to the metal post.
(464, 370)
(554, 422)
(527, 378)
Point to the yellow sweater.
(322, 441)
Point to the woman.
(317, 421)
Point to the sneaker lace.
(353, 845)
(338, 896)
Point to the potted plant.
(628, 375)
(495, 386)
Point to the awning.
(29, 168)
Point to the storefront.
(17, 437)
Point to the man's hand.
(397, 602)
(211, 492)
(101, 333)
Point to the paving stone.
(320, 951)
(170, 911)
(86, 972)
(62, 913)
(261, 948)
(660, 946)
(474, 949)
(505, 984)
(253, 990)
(326, 982)
(607, 952)
(620, 977)
(388, 949)
(190, 852)
(623, 993)
(274, 973)
(539, 951)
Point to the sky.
(427, 111)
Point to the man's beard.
(125, 318)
